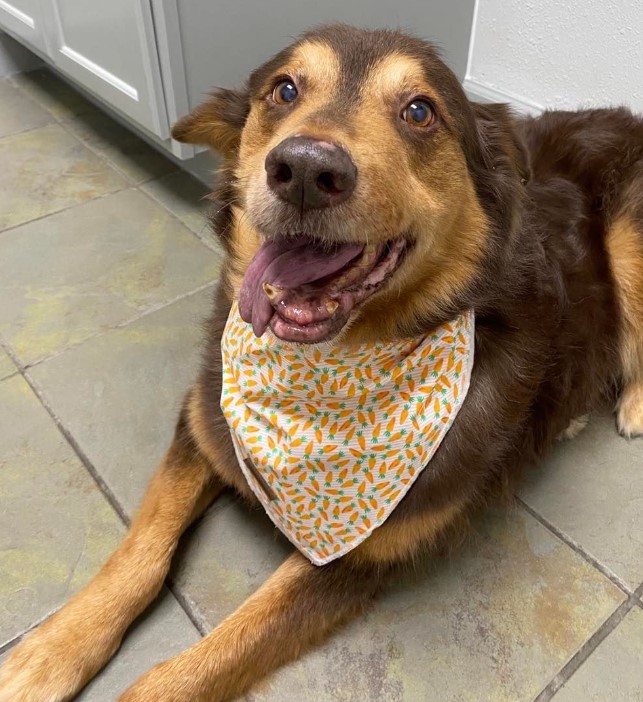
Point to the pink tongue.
(288, 263)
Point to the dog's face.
(348, 162)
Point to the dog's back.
(586, 208)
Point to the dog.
(398, 206)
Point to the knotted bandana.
(331, 439)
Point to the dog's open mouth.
(306, 291)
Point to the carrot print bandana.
(331, 439)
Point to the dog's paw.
(574, 429)
(34, 673)
(629, 413)
(54, 662)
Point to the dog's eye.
(284, 92)
(418, 113)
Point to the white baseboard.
(480, 92)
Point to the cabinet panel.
(23, 19)
(110, 48)
(223, 41)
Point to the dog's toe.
(575, 427)
(629, 413)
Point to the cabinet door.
(23, 19)
(223, 41)
(110, 48)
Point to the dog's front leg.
(297, 607)
(55, 661)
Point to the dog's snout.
(310, 173)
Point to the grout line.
(101, 156)
(10, 644)
(209, 242)
(42, 104)
(190, 609)
(128, 186)
(584, 652)
(63, 121)
(18, 638)
(196, 619)
(575, 546)
(104, 488)
(105, 157)
(122, 324)
(26, 131)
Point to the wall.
(557, 53)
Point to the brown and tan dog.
(352, 136)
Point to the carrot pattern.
(339, 434)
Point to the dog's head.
(361, 190)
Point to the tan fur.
(436, 199)
(260, 635)
(320, 67)
(575, 427)
(62, 655)
(275, 625)
(205, 126)
(244, 244)
(219, 665)
(625, 249)
(434, 203)
(630, 411)
(225, 466)
(400, 540)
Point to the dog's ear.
(217, 122)
(500, 140)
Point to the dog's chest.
(331, 440)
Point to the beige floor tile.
(53, 93)
(185, 197)
(46, 170)
(81, 271)
(120, 393)
(495, 622)
(614, 671)
(161, 633)
(18, 113)
(56, 528)
(225, 559)
(591, 488)
(7, 366)
(124, 150)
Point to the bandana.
(331, 439)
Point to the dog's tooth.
(272, 291)
(331, 306)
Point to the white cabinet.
(24, 19)
(110, 48)
(153, 60)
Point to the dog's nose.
(310, 173)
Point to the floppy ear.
(500, 140)
(216, 123)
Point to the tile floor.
(106, 268)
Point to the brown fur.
(536, 224)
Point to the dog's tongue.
(285, 265)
